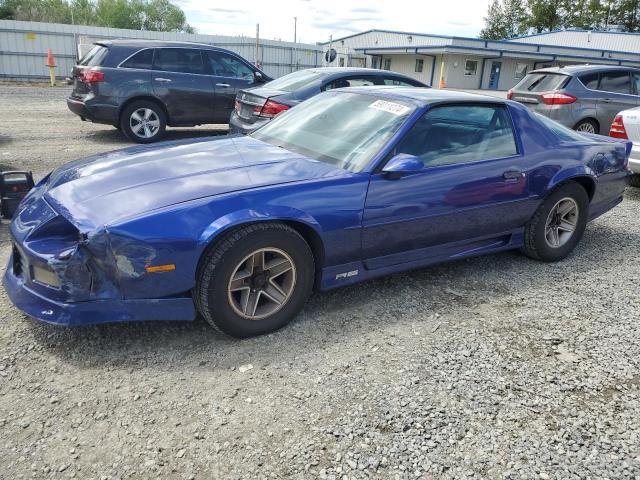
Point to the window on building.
(460, 134)
(521, 70)
(143, 60)
(419, 65)
(470, 68)
(615, 82)
(387, 64)
(341, 61)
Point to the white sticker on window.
(389, 107)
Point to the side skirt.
(354, 272)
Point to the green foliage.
(509, 18)
(156, 15)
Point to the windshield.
(542, 82)
(343, 129)
(296, 80)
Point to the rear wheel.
(634, 180)
(143, 121)
(558, 224)
(254, 280)
(587, 126)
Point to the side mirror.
(258, 77)
(401, 165)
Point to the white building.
(472, 63)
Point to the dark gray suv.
(141, 86)
(583, 97)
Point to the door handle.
(225, 85)
(513, 175)
(160, 79)
(606, 100)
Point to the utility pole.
(295, 39)
(257, 62)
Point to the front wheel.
(634, 180)
(558, 224)
(254, 280)
(143, 122)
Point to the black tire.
(536, 245)
(158, 113)
(634, 180)
(220, 261)
(587, 124)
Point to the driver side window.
(460, 134)
(223, 65)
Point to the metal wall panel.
(23, 47)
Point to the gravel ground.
(494, 367)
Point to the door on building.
(494, 77)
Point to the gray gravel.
(494, 367)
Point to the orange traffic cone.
(51, 63)
(442, 84)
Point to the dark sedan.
(258, 105)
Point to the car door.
(229, 75)
(616, 94)
(179, 79)
(469, 190)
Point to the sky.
(317, 19)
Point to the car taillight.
(617, 128)
(558, 98)
(510, 95)
(270, 109)
(91, 76)
(237, 106)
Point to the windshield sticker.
(389, 107)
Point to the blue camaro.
(347, 186)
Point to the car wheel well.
(308, 234)
(143, 98)
(585, 182)
(588, 119)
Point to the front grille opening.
(18, 265)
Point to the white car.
(627, 125)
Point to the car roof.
(333, 73)
(422, 96)
(153, 43)
(579, 69)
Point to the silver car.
(583, 97)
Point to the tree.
(157, 15)
(505, 19)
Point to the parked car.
(349, 185)
(256, 106)
(626, 126)
(141, 86)
(583, 97)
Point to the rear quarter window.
(142, 60)
(95, 56)
(563, 133)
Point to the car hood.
(109, 187)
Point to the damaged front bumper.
(93, 312)
(63, 276)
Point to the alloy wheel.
(586, 128)
(144, 123)
(561, 222)
(262, 283)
